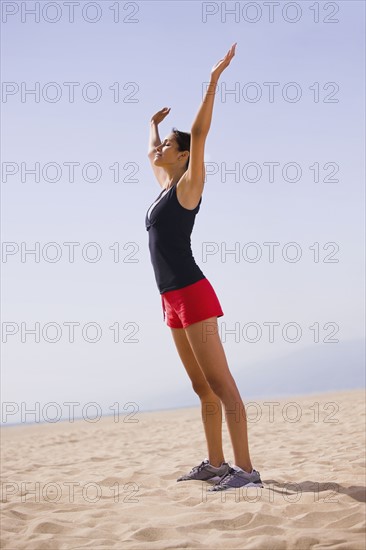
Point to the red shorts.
(190, 304)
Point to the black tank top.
(169, 227)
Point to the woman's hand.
(223, 63)
(160, 115)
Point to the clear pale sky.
(311, 207)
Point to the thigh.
(207, 347)
(189, 360)
(198, 302)
(170, 315)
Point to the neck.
(174, 174)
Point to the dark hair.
(183, 140)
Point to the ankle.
(246, 468)
(216, 463)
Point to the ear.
(184, 155)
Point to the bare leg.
(207, 347)
(211, 410)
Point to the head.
(174, 149)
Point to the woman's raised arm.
(202, 122)
(154, 138)
(195, 176)
(154, 141)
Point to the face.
(167, 152)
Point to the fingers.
(164, 111)
(230, 54)
(232, 49)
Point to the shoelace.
(199, 468)
(228, 476)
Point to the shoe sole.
(259, 484)
(251, 484)
(210, 480)
(213, 479)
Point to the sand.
(112, 485)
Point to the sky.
(280, 231)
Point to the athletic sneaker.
(206, 472)
(236, 477)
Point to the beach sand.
(112, 485)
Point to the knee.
(203, 390)
(223, 387)
(217, 387)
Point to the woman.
(190, 305)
